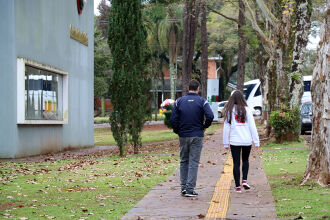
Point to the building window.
(42, 94)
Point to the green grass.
(274, 145)
(105, 187)
(285, 169)
(103, 136)
(100, 120)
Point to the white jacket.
(240, 133)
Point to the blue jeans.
(190, 153)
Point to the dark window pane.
(258, 92)
(247, 90)
(307, 86)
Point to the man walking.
(191, 115)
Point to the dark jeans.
(236, 154)
(190, 153)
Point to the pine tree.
(130, 85)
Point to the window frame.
(21, 63)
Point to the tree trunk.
(282, 58)
(103, 107)
(155, 92)
(191, 12)
(172, 83)
(163, 79)
(303, 23)
(204, 51)
(271, 85)
(241, 47)
(173, 55)
(261, 65)
(319, 158)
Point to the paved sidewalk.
(165, 202)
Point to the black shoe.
(183, 192)
(191, 194)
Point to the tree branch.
(269, 48)
(266, 12)
(219, 13)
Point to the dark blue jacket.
(191, 115)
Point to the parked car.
(306, 112)
(253, 97)
(221, 108)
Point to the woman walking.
(239, 132)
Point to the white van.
(253, 97)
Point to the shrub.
(167, 120)
(286, 124)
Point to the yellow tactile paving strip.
(219, 203)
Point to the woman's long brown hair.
(237, 99)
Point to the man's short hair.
(193, 85)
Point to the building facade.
(46, 76)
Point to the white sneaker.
(238, 189)
(245, 185)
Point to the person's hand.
(257, 147)
(226, 147)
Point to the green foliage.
(223, 38)
(167, 120)
(130, 85)
(100, 86)
(251, 37)
(286, 123)
(296, 76)
(102, 64)
(155, 13)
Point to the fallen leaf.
(201, 216)
(84, 210)
(307, 207)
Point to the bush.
(286, 124)
(167, 120)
